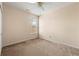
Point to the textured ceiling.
(35, 8)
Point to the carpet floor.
(39, 47)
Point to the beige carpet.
(39, 47)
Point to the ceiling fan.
(40, 6)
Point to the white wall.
(0, 30)
(17, 25)
(61, 25)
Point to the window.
(34, 23)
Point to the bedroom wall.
(17, 25)
(61, 25)
(0, 29)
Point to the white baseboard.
(66, 44)
(31, 36)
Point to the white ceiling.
(35, 9)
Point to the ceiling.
(35, 8)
